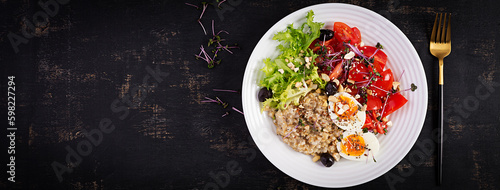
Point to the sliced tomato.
(380, 58)
(357, 34)
(344, 33)
(373, 103)
(382, 84)
(335, 44)
(380, 127)
(368, 123)
(393, 103)
(336, 72)
(359, 72)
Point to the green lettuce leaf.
(294, 47)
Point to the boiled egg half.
(358, 146)
(346, 112)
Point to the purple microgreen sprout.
(224, 90)
(216, 41)
(291, 131)
(218, 5)
(238, 111)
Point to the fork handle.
(440, 140)
(440, 124)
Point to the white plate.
(408, 121)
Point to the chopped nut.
(295, 69)
(395, 85)
(348, 90)
(308, 81)
(351, 81)
(341, 111)
(325, 104)
(318, 91)
(336, 81)
(286, 60)
(349, 55)
(369, 92)
(291, 65)
(345, 107)
(300, 106)
(357, 96)
(308, 65)
(336, 156)
(385, 119)
(333, 99)
(364, 107)
(298, 84)
(314, 86)
(316, 158)
(325, 77)
(281, 71)
(307, 59)
(301, 51)
(389, 124)
(340, 89)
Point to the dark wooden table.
(124, 73)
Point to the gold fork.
(440, 47)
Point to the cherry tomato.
(393, 103)
(373, 103)
(359, 73)
(336, 72)
(344, 33)
(357, 33)
(313, 44)
(379, 60)
(323, 49)
(368, 123)
(382, 84)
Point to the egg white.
(371, 143)
(349, 125)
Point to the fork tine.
(445, 29)
(433, 34)
(448, 30)
(438, 34)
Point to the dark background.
(92, 53)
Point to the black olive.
(264, 94)
(327, 159)
(330, 88)
(325, 34)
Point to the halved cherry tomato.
(380, 127)
(368, 123)
(373, 103)
(337, 70)
(379, 60)
(323, 49)
(382, 84)
(337, 46)
(359, 73)
(357, 33)
(393, 103)
(344, 33)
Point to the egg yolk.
(349, 113)
(353, 145)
